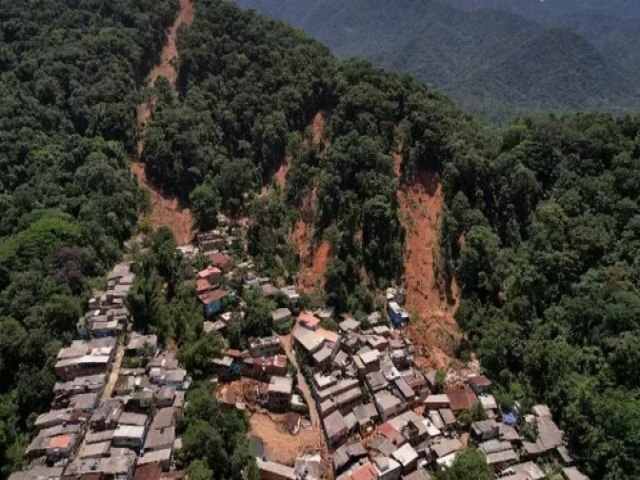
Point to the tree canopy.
(70, 74)
(470, 464)
(541, 228)
(549, 273)
(248, 88)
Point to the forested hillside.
(69, 77)
(542, 226)
(248, 89)
(541, 221)
(549, 275)
(494, 61)
(613, 27)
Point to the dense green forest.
(546, 211)
(549, 274)
(498, 58)
(541, 230)
(248, 88)
(69, 77)
(612, 26)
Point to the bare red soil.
(317, 129)
(280, 176)
(169, 55)
(433, 328)
(315, 261)
(166, 210)
(301, 238)
(314, 277)
(280, 445)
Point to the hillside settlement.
(328, 396)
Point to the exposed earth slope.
(165, 209)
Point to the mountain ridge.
(450, 45)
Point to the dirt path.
(303, 386)
(433, 328)
(113, 375)
(302, 382)
(166, 210)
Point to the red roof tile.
(61, 441)
(222, 261)
(391, 433)
(461, 398)
(309, 320)
(233, 353)
(328, 335)
(202, 284)
(365, 472)
(210, 270)
(149, 471)
(209, 297)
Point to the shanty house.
(265, 346)
(387, 468)
(307, 339)
(308, 320)
(160, 439)
(407, 457)
(211, 274)
(54, 448)
(279, 393)
(461, 398)
(107, 415)
(480, 384)
(138, 344)
(221, 261)
(129, 436)
(212, 302)
(387, 404)
(281, 318)
(397, 314)
(336, 429)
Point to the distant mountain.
(495, 57)
(612, 26)
(545, 11)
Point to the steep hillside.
(70, 77)
(553, 10)
(539, 224)
(450, 47)
(339, 201)
(165, 209)
(613, 27)
(549, 274)
(551, 65)
(433, 329)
